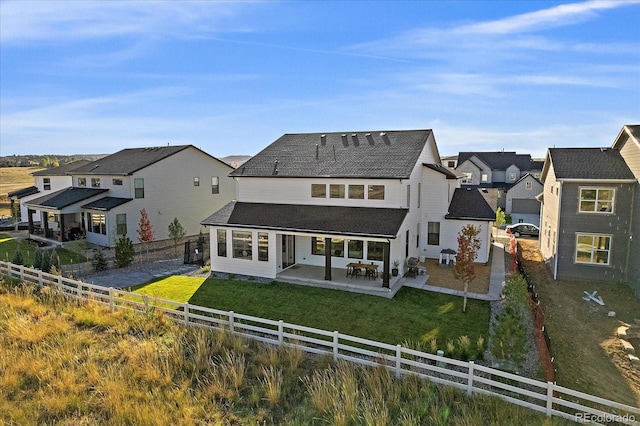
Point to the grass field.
(8, 247)
(588, 355)
(71, 364)
(11, 179)
(412, 315)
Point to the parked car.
(519, 229)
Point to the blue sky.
(231, 77)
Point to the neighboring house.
(45, 182)
(327, 200)
(106, 196)
(591, 211)
(511, 174)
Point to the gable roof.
(61, 170)
(588, 163)
(380, 154)
(525, 176)
(468, 203)
(65, 197)
(128, 161)
(500, 160)
(336, 220)
(630, 130)
(442, 169)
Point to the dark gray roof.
(61, 170)
(65, 197)
(500, 160)
(634, 129)
(380, 154)
(106, 203)
(128, 161)
(468, 203)
(442, 169)
(524, 176)
(19, 193)
(335, 220)
(589, 163)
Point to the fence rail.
(544, 397)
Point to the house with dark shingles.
(514, 177)
(44, 182)
(591, 211)
(106, 196)
(324, 201)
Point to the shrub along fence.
(545, 397)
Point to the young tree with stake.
(468, 245)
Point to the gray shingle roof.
(128, 161)
(442, 169)
(380, 154)
(65, 197)
(336, 220)
(500, 160)
(19, 193)
(468, 203)
(589, 163)
(61, 170)
(106, 203)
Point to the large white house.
(106, 196)
(328, 200)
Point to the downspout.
(630, 239)
(555, 257)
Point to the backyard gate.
(194, 251)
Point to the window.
(356, 192)
(116, 182)
(121, 224)
(528, 186)
(376, 192)
(375, 250)
(98, 223)
(408, 196)
(263, 246)
(337, 247)
(47, 183)
(593, 248)
(138, 185)
(433, 233)
(451, 164)
(406, 244)
(317, 246)
(468, 178)
(336, 190)
(596, 200)
(222, 242)
(95, 182)
(242, 244)
(215, 185)
(356, 249)
(418, 236)
(512, 176)
(419, 191)
(318, 190)
(485, 177)
(196, 181)
(82, 181)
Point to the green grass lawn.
(8, 247)
(413, 314)
(177, 288)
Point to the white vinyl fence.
(548, 398)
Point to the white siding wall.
(630, 151)
(252, 267)
(57, 183)
(550, 211)
(437, 194)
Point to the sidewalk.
(496, 281)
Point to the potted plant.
(394, 270)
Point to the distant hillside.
(235, 161)
(40, 160)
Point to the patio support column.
(44, 218)
(30, 219)
(61, 228)
(386, 270)
(327, 259)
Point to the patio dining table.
(353, 269)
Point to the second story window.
(318, 190)
(485, 177)
(356, 191)
(468, 178)
(138, 185)
(95, 182)
(215, 185)
(376, 192)
(513, 176)
(528, 186)
(336, 190)
(82, 181)
(196, 181)
(117, 182)
(46, 184)
(596, 200)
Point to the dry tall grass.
(72, 364)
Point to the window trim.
(246, 246)
(138, 191)
(597, 200)
(215, 185)
(431, 235)
(593, 249)
(46, 184)
(221, 240)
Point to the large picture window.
(318, 190)
(376, 192)
(593, 249)
(138, 185)
(356, 249)
(98, 223)
(222, 242)
(337, 247)
(596, 200)
(375, 250)
(242, 244)
(263, 246)
(317, 246)
(433, 233)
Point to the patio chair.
(412, 267)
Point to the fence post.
(549, 399)
(231, 327)
(186, 313)
(40, 279)
(336, 338)
(398, 359)
(21, 273)
(111, 306)
(470, 380)
(59, 283)
(280, 332)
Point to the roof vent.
(468, 189)
(323, 139)
(383, 134)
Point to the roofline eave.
(300, 231)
